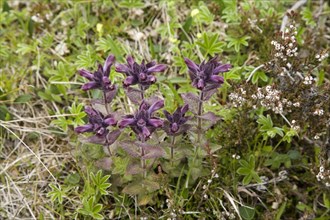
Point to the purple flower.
(205, 76)
(100, 78)
(98, 123)
(175, 123)
(141, 74)
(143, 123)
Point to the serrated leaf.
(152, 152)
(130, 148)
(134, 169)
(134, 188)
(192, 100)
(104, 163)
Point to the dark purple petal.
(174, 127)
(90, 85)
(101, 131)
(130, 60)
(107, 65)
(168, 115)
(106, 80)
(157, 105)
(156, 122)
(184, 109)
(150, 64)
(122, 68)
(126, 122)
(84, 128)
(130, 80)
(86, 74)
(200, 84)
(110, 121)
(142, 76)
(221, 69)
(152, 79)
(157, 68)
(89, 110)
(217, 79)
(191, 65)
(145, 131)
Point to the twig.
(255, 70)
(285, 19)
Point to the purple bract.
(175, 123)
(205, 76)
(143, 123)
(141, 74)
(100, 78)
(98, 123)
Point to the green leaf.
(243, 171)
(209, 44)
(246, 212)
(280, 211)
(307, 16)
(23, 98)
(73, 179)
(259, 75)
(326, 201)
(237, 42)
(57, 193)
(247, 179)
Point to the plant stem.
(172, 149)
(105, 102)
(142, 92)
(143, 161)
(199, 120)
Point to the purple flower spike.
(176, 123)
(100, 78)
(141, 74)
(143, 123)
(205, 75)
(97, 123)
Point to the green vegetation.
(258, 147)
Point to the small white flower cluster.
(235, 156)
(324, 175)
(36, 18)
(237, 99)
(321, 57)
(62, 48)
(270, 98)
(294, 126)
(318, 112)
(288, 48)
(308, 80)
(230, 215)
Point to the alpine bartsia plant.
(176, 124)
(143, 124)
(205, 77)
(100, 80)
(98, 124)
(140, 74)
